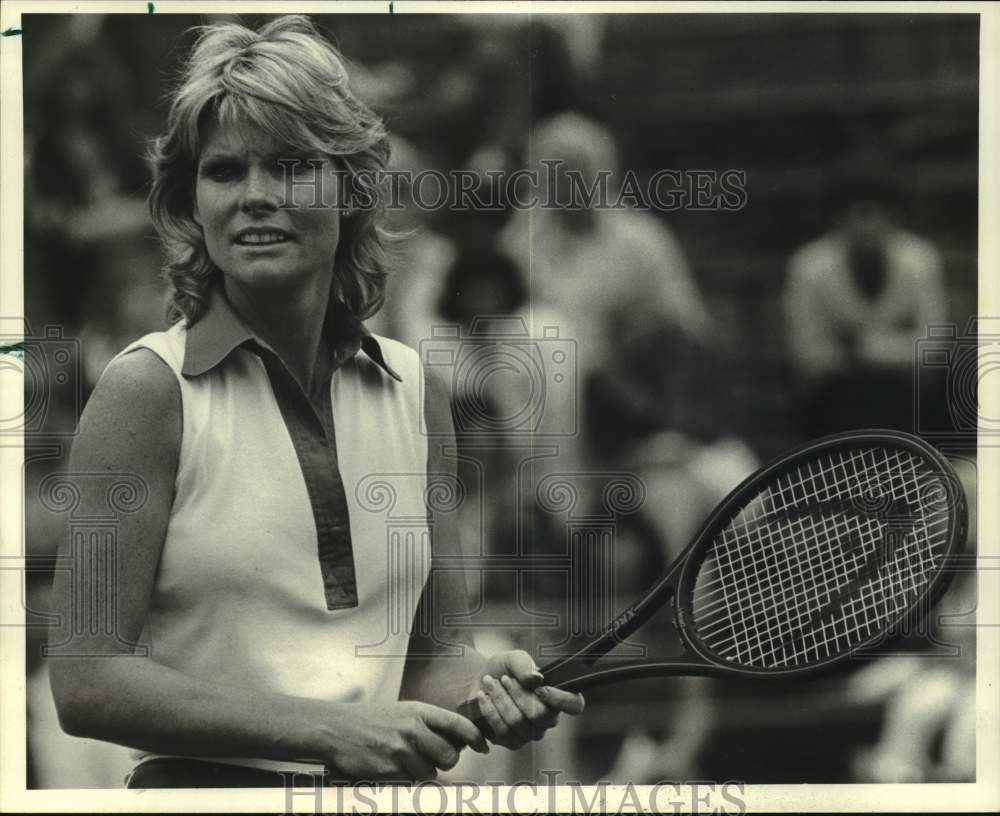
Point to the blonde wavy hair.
(290, 82)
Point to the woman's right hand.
(404, 742)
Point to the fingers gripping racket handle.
(470, 710)
(561, 678)
(575, 675)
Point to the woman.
(265, 430)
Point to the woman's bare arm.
(132, 426)
(443, 666)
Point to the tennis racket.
(813, 558)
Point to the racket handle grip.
(470, 710)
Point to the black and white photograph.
(498, 408)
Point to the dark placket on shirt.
(312, 433)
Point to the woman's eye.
(221, 171)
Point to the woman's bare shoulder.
(133, 416)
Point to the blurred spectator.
(613, 275)
(855, 301)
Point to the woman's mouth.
(261, 237)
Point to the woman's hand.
(401, 742)
(516, 704)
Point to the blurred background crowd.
(705, 341)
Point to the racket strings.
(825, 576)
(745, 528)
(742, 526)
(823, 559)
(822, 581)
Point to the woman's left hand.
(516, 703)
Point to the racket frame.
(676, 586)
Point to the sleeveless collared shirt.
(297, 545)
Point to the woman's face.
(265, 226)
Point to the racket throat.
(617, 633)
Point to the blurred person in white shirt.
(855, 301)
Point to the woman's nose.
(261, 192)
